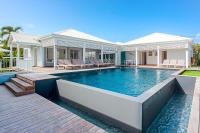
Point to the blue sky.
(114, 20)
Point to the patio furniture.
(165, 63)
(61, 64)
(97, 63)
(78, 63)
(68, 64)
(181, 63)
(173, 63)
(89, 64)
(107, 63)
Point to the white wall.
(117, 106)
(151, 59)
(40, 56)
(176, 54)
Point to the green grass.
(191, 73)
(2, 70)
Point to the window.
(90, 54)
(150, 53)
(164, 55)
(49, 54)
(74, 54)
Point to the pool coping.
(193, 125)
(83, 70)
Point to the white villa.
(156, 49)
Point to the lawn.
(191, 73)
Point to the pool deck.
(33, 113)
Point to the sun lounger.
(165, 63)
(107, 63)
(173, 63)
(61, 64)
(97, 63)
(78, 63)
(181, 63)
(68, 64)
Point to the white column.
(116, 57)
(158, 56)
(55, 56)
(102, 53)
(84, 53)
(186, 58)
(136, 56)
(11, 56)
(41, 58)
(18, 55)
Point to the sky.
(113, 20)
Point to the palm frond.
(17, 29)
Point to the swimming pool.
(128, 81)
(174, 117)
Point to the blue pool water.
(174, 117)
(128, 81)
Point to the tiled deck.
(33, 113)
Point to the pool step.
(17, 91)
(22, 84)
(25, 79)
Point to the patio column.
(11, 56)
(136, 57)
(116, 57)
(186, 58)
(18, 55)
(84, 53)
(102, 53)
(55, 56)
(158, 56)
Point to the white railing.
(24, 64)
(5, 62)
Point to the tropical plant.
(196, 52)
(5, 33)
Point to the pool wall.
(47, 88)
(108, 103)
(152, 103)
(4, 77)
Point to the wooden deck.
(33, 113)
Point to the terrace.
(33, 112)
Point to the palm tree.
(5, 33)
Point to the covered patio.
(46, 51)
(159, 50)
(61, 46)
